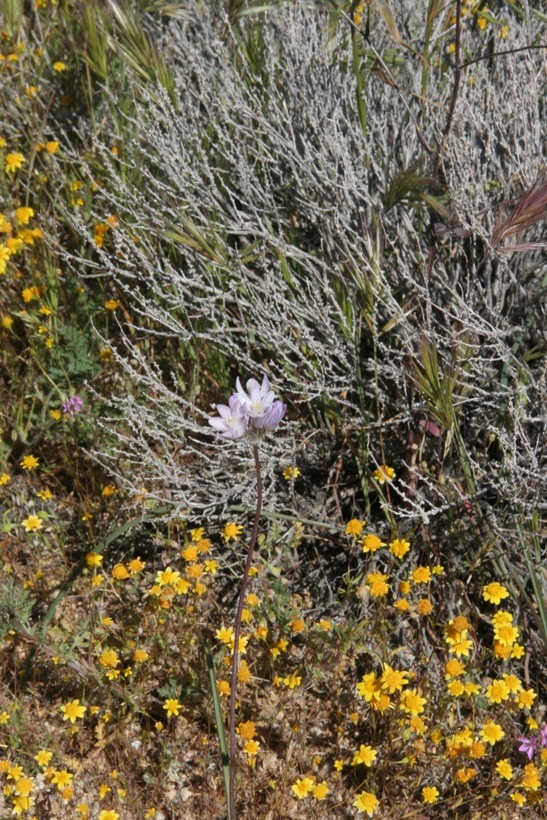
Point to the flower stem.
(237, 633)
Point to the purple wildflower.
(543, 736)
(258, 399)
(529, 745)
(72, 406)
(231, 421)
(250, 412)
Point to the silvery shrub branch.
(253, 222)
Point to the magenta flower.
(72, 406)
(529, 745)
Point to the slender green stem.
(237, 633)
(218, 718)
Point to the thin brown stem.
(237, 633)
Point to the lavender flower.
(72, 406)
(231, 421)
(258, 399)
(252, 412)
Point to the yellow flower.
(498, 691)
(94, 559)
(112, 304)
(370, 687)
(223, 687)
(140, 655)
(492, 732)
(376, 582)
(13, 162)
(454, 668)
(167, 576)
(513, 684)
(517, 651)
(424, 606)
(29, 294)
(231, 531)
(518, 798)
(172, 707)
(4, 718)
(320, 791)
(366, 802)
(251, 747)
(291, 472)
(15, 772)
(62, 778)
(298, 625)
(45, 495)
(354, 526)
(52, 146)
(21, 804)
(108, 490)
(383, 474)
(303, 787)
(371, 543)
(399, 547)
(418, 725)
(119, 572)
(72, 711)
(421, 575)
(136, 565)
(430, 794)
(494, 593)
(59, 66)
(412, 702)
(531, 777)
(456, 688)
(366, 755)
(247, 730)
(29, 463)
(506, 635)
(244, 674)
(393, 680)
(43, 757)
(109, 658)
(24, 215)
(24, 786)
(32, 523)
(526, 698)
(103, 790)
(504, 769)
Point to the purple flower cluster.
(252, 412)
(530, 745)
(72, 406)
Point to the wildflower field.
(273, 454)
